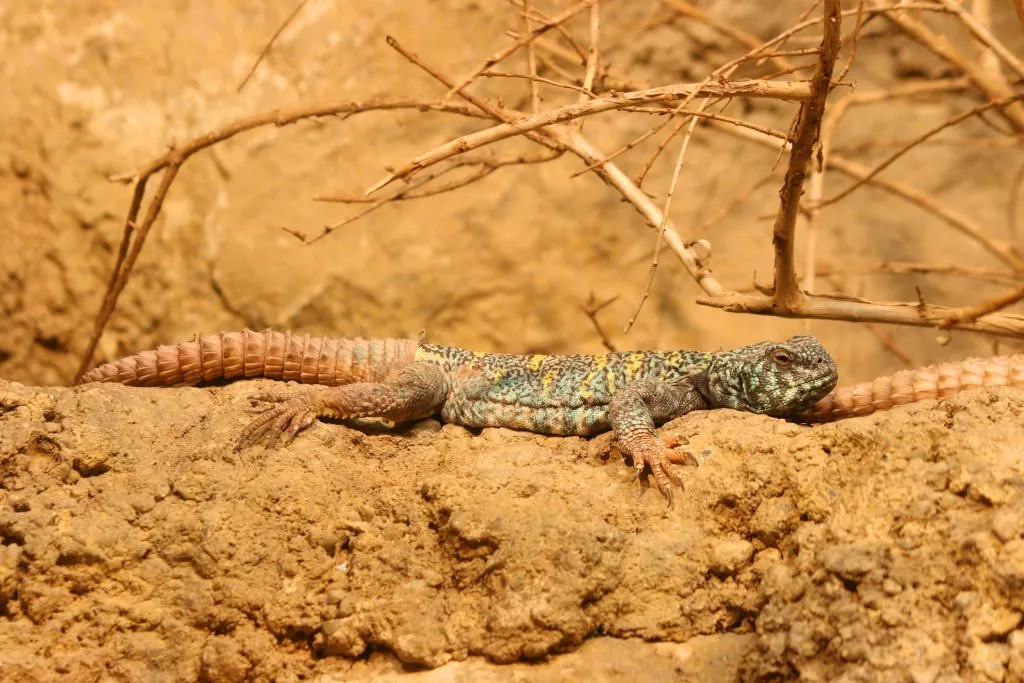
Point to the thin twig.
(866, 146)
(854, 40)
(408, 192)
(985, 37)
(994, 88)
(621, 150)
(559, 28)
(591, 308)
(771, 132)
(641, 175)
(969, 314)
(540, 79)
(664, 220)
(906, 267)
(687, 9)
(1002, 250)
(485, 167)
(266, 48)
(131, 255)
(772, 90)
(531, 60)
(502, 54)
(484, 106)
(135, 233)
(1013, 203)
(609, 77)
(998, 104)
(593, 57)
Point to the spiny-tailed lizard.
(627, 392)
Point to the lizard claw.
(279, 424)
(663, 463)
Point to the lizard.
(627, 392)
(401, 380)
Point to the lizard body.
(402, 380)
(628, 392)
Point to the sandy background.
(132, 547)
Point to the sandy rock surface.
(135, 543)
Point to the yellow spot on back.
(423, 354)
(547, 381)
(633, 364)
(586, 390)
(610, 379)
(535, 362)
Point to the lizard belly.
(555, 420)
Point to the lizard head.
(782, 379)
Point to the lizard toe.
(296, 420)
(279, 426)
(681, 456)
(271, 397)
(664, 469)
(255, 430)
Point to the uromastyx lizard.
(628, 392)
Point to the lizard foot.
(663, 462)
(278, 424)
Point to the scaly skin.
(402, 380)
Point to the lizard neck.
(721, 381)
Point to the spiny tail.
(933, 381)
(271, 354)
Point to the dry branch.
(780, 90)
(787, 293)
(559, 130)
(969, 227)
(858, 310)
(993, 86)
(135, 233)
(502, 54)
(998, 105)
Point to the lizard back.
(550, 394)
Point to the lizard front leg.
(634, 411)
(417, 391)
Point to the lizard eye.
(782, 358)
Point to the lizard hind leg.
(417, 391)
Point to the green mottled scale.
(547, 394)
